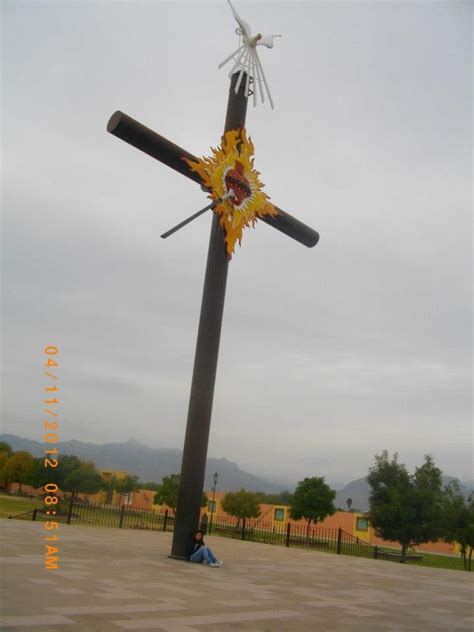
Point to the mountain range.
(151, 464)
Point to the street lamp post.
(213, 505)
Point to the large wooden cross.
(205, 362)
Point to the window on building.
(279, 514)
(362, 524)
(212, 505)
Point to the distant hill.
(359, 491)
(149, 464)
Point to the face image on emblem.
(236, 181)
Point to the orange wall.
(341, 519)
(142, 499)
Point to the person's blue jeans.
(203, 554)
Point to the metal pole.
(122, 513)
(196, 440)
(69, 513)
(213, 501)
(242, 535)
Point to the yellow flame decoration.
(231, 166)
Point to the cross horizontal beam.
(159, 147)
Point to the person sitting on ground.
(198, 552)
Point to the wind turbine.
(246, 58)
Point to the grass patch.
(430, 560)
(440, 561)
(12, 505)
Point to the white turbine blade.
(246, 30)
(223, 63)
(254, 84)
(239, 81)
(264, 80)
(259, 79)
(247, 82)
(237, 63)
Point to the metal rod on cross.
(171, 231)
(212, 307)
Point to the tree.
(83, 480)
(128, 484)
(405, 508)
(6, 448)
(67, 464)
(17, 467)
(313, 501)
(458, 521)
(349, 503)
(109, 487)
(283, 498)
(167, 492)
(125, 485)
(286, 497)
(151, 485)
(39, 475)
(5, 453)
(243, 504)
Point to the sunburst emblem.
(229, 173)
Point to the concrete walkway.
(114, 579)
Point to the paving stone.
(122, 579)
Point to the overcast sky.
(328, 355)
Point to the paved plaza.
(122, 579)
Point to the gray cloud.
(327, 355)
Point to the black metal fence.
(73, 511)
(290, 534)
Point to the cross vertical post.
(196, 440)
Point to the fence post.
(376, 552)
(288, 531)
(34, 514)
(165, 520)
(243, 529)
(339, 540)
(122, 513)
(69, 513)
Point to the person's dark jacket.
(192, 546)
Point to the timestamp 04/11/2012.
(50, 428)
